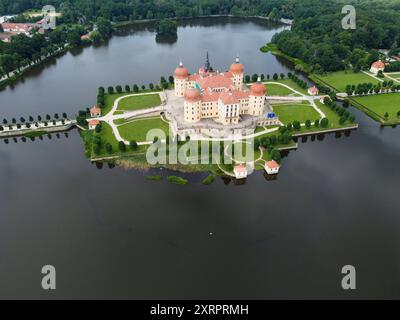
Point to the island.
(224, 123)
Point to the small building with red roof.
(272, 167)
(95, 112)
(93, 123)
(377, 66)
(240, 171)
(313, 91)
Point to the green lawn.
(394, 75)
(137, 130)
(109, 101)
(277, 90)
(381, 104)
(288, 82)
(340, 79)
(139, 102)
(292, 112)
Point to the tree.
(171, 79)
(386, 115)
(276, 155)
(135, 88)
(98, 128)
(118, 88)
(96, 149)
(110, 90)
(316, 123)
(254, 77)
(166, 27)
(247, 78)
(104, 27)
(151, 86)
(127, 88)
(7, 63)
(133, 144)
(296, 125)
(324, 122)
(121, 146)
(275, 76)
(108, 148)
(308, 123)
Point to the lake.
(111, 233)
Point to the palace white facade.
(221, 96)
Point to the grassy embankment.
(375, 106)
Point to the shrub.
(121, 146)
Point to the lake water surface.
(111, 233)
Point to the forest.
(316, 36)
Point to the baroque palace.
(222, 98)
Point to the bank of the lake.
(112, 233)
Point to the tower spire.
(207, 66)
(237, 58)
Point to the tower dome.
(192, 95)
(258, 88)
(181, 72)
(236, 67)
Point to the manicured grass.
(394, 75)
(340, 79)
(139, 102)
(288, 113)
(277, 90)
(137, 129)
(381, 104)
(109, 101)
(288, 82)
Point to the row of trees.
(369, 88)
(344, 114)
(255, 76)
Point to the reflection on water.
(115, 234)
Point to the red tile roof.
(240, 168)
(228, 97)
(16, 27)
(95, 110)
(272, 164)
(378, 64)
(93, 122)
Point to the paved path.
(372, 76)
(110, 116)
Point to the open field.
(381, 104)
(286, 81)
(340, 79)
(139, 102)
(137, 129)
(277, 90)
(288, 113)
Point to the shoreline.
(119, 25)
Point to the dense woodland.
(316, 37)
